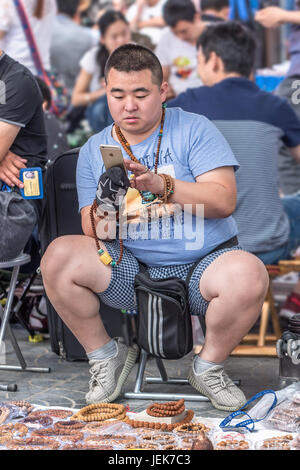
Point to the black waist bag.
(164, 325)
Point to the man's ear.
(216, 62)
(164, 91)
(197, 17)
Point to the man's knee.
(250, 279)
(236, 276)
(54, 259)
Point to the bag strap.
(41, 72)
(30, 38)
(228, 244)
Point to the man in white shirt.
(177, 49)
(12, 37)
(145, 16)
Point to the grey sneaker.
(109, 375)
(215, 384)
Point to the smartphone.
(112, 156)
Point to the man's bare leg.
(235, 284)
(72, 274)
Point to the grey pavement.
(67, 382)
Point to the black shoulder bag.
(164, 325)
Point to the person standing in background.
(41, 14)
(69, 42)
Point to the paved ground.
(67, 382)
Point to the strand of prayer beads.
(162, 426)
(101, 412)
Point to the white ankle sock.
(106, 352)
(201, 365)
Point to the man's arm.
(295, 152)
(10, 164)
(215, 189)
(272, 17)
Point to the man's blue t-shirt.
(191, 145)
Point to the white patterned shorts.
(120, 292)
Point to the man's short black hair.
(233, 43)
(68, 7)
(178, 10)
(216, 5)
(134, 58)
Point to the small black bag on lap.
(164, 326)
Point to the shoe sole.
(194, 384)
(129, 363)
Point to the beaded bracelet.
(172, 408)
(55, 413)
(16, 428)
(24, 405)
(192, 428)
(160, 438)
(72, 437)
(5, 436)
(4, 414)
(68, 425)
(39, 419)
(33, 443)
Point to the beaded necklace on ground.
(146, 196)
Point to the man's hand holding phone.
(143, 179)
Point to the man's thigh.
(232, 273)
(75, 258)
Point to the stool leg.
(8, 305)
(263, 324)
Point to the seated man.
(191, 151)
(255, 124)
(145, 16)
(177, 49)
(214, 10)
(23, 143)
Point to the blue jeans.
(291, 204)
(98, 114)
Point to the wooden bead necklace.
(146, 195)
(101, 412)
